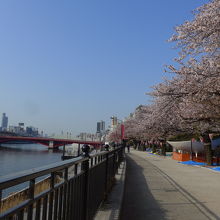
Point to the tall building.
(114, 122)
(4, 122)
(98, 130)
(100, 127)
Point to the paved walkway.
(160, 188)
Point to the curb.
(111, 208)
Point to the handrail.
(23, 176)
(78, 194)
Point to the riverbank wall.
(18, 197)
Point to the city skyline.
(65, 66)
(19, 128)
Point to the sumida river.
(19, 157)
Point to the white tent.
(197, 146)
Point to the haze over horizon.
(65, 66)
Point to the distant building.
(114, 122)
(21, 124)
(31, 131)
(98, 130)
(4, 122)
(88, 136)
(82, 136)
(100, 127)
(16, 129)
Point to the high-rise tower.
(4, 122)
(98, 130)
(100, 127)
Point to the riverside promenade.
(160, 188)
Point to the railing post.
(78, 152)
(64, 149)
(91, 164)
(76, 169)
(51, 198)
(85, 168)
(114, 162)
(0, 200)
(31, 197)
(106, 175)
(65, 194)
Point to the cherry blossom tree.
(190, 101)
(201, 35)
(114, 135)
(195, 88)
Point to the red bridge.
(49, 142)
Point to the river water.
(19, 157)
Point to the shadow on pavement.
(138, 201)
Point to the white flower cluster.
(190, 101)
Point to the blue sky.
(64, 65)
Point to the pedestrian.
(107, 147)
(128, 148)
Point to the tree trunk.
(208, 149)
(154, 148)
(163, 148)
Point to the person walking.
(128, 148)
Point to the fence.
(84, 184)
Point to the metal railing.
(83, 185)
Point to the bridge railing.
(83, 184)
